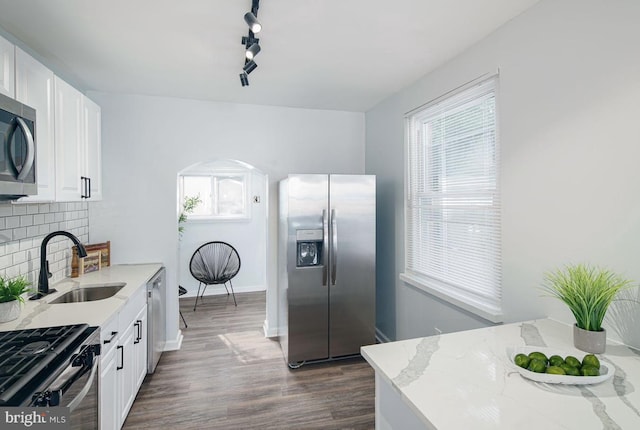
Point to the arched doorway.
(231, 206)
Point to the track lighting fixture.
(249, 67)
(252, 51)
(244, 79)
(252, 48)
(252, 22)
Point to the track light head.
(244, 79)
(249, 67)
(252, 22)
(252, 51)
(250, 42)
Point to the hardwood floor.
(229, 376)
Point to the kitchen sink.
(90, 293)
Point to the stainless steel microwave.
(17, 149)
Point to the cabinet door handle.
(83, 192)
(121, 348)
(113, 336)
(138, 325)
(88, 193)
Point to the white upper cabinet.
(77, 145)
(93, 143)
(68, 128)
(69, 142)
(34, 87)
(7, 68)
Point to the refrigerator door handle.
(325, 248)
(334, 246)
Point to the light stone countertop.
(41, 313)
(465, 380)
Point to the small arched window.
(223, 195)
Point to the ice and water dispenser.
(309, 248)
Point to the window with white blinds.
(453, 201)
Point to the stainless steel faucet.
(43, 279)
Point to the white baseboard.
(269, 332)
(175, 344)
(218, 290)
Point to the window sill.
(208, 220)
(425, 285)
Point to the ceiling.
(325, 54)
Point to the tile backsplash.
(22, 228)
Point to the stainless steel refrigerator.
(326, 276)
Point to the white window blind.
(453, 205)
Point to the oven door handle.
(67, 379)
(73, 404)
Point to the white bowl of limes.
(552, 366)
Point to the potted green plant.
(11, 291)
(188, 206)
(587, 291)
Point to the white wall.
(247, 236)
(570, 145)
(148, 140)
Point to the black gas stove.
(32, 360)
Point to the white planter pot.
(594, 342)
(9, 311)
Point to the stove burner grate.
(35, 348)
(26, 357)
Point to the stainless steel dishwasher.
(156, 333)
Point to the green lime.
(537, 366)
(589, 371)
(570, 370)
(555, 360)
(556, 370)
(591, 360)
(573, 362)
(521, 360)
(539, 356)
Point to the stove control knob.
(54, 398)
(40, 399)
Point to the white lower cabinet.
(108, 386)
(126, 373)
(109, 391)
(124, 359)
(140, 348)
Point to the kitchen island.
(466, 380)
